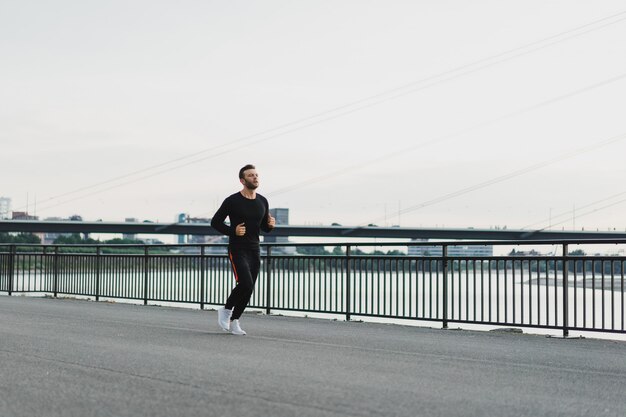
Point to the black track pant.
(246, 263)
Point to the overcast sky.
(419, 113)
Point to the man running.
(249, 214)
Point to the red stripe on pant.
(232, 263)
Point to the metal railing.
(557, 291)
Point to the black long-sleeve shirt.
(253, 213)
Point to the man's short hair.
(244, 169)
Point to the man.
(249, 214)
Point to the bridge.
(310, 231)
(62, 357)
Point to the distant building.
(152, 241)
(531, 252)
(200, 239)
(459, 250)
(5, 207)
(182, 218)
(22, 215)
(50, 237)
(130, 236)
(282, 218)
(281, 215)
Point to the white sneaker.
(223, 318)
(236, 329)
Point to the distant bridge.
(30, 226)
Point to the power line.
(349, 108)
(578, 215)
(440, 139)
(510, 175)
(569, 212)
(401, 151)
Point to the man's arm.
(217, 222)
(268, 223)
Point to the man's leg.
(240, 268)
(253, 263)
(240, 295)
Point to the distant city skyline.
(27, 214)
(420, 114)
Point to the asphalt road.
(80, 358)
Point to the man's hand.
(240, 230)
(271, 222)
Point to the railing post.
(11, 268)
(268, 280)
(202, 276)
(55, 267)
(98, 253)
(348, 286)
(445, 286)
(565, 292)
(145, 276)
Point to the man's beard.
(250, 185)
